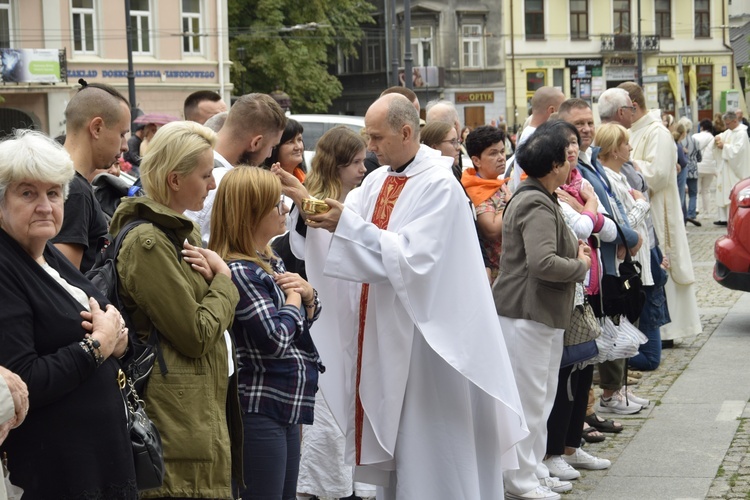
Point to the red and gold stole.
(389, 193)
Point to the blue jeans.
(654, 314)
(271, 458)
(681, 183)
(692, 185)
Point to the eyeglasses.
(280, 206)
(452, 142)
(631, 108)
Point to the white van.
(317, 125)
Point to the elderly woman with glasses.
(278, 362)
(172, 288)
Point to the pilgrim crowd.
(394, 320)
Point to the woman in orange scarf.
(290, 151)
(487, 191)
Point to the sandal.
(603, 424)
(592, 435)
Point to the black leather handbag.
(623, 294)
(148, 454)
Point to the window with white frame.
(192, 23)
(84, 18)
(5, 24)
(140, 24)
(421, 45)
(374, 55)
(471, 35)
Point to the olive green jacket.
(195, 404)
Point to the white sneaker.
(540, 493)
(618, 404)
(554, 484)
(634, 399)
(582, 460)
(560, 468)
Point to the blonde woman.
(187, 297)
(278, 362)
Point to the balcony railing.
(629, 43)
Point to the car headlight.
(743, 198)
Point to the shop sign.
(141, 73)
(686, 60)
(574, 63)
(620, 61)
(30, 65)
(544, 63)
(621, 73)
(661, 78)
(474, 97)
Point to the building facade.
(178, 47)
(456, 47)
(587, 46)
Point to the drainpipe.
(724, 22)
(640, 48)
(220, 48)
(513, 68)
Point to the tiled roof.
(739, 39)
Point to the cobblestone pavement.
(714, 301)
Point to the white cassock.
(734, 164)
(655, 154)
(441, 408)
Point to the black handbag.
(148, 454)
(623, 294)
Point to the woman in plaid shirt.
(278, 362)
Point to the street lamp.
(241, 56)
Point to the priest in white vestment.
(655, 156)
(732, 151)
(426, 395)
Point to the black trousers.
(565, 423)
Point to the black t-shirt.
(84, 222)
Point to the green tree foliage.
(290, 43)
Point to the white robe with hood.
(733, 162)
(655, 155)
(441, 408)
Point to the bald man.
(406, 259)
(546, 100)
(98, 120)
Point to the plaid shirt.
(278, 362)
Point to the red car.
(732, 251)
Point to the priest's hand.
(329, 220)
(290, 185)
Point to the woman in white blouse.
(613, 138)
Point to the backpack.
(139, 360)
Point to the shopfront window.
(666, 92)
(535, 78)
(705, 92)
